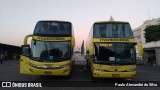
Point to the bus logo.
(49, 39)
(6, 84)
(115, 39)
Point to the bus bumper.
(56, 72)
(99, 74)
(30, 67)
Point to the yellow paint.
(73, 41)
(109, 70)
(26, 68)
(91, 49)
(140, 49)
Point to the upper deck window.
(51, 28)
(116, 30)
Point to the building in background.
(139, 31)
(82, 48)
(10, 51)
(151, 49)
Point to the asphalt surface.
(9, 71)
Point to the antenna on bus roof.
(111, 19)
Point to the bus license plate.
(47, 73)
(115, 75)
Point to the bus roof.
(54, 21)
(108, 22)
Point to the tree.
(152, 33)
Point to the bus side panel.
(24, 67)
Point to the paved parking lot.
(10, 72)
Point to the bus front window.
(115, 53)
(115, 30)
(50, 51)
(51, 28)
(125, 53)
(103, 53)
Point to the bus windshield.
(52, 28)
(115, 53)
(50, 51)
(115, 30)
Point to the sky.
(19, 17)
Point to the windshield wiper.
(37, 59)
(125, 62)
(104, 62)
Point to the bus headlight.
(63, 66)
(131, 70)
(36, 66)
(99, 69)
(41, 66)
(48, 67)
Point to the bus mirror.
(140, 49)
(26, 50)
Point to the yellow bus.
(110, 50)
(50, 50)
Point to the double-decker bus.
(50, 50)
(111, 50)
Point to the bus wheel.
(69, 76)
(94, 79)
